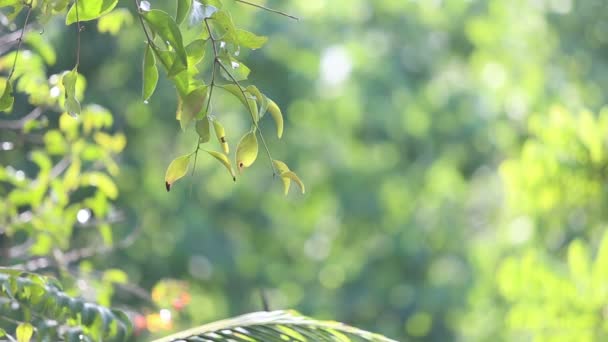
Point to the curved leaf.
(167, 29)
(203, 130)
(183, 7)
(282, 167)
(275, 326)
(277, 116)
(222, 158)
(291, 175)
(7, 99)
(72, 106)
(246, 150)
(193, 106)
(150, 73)
(248, 102)
(220, 132)
(176, 170)
(89, 10)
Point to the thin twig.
(20, 123)
(20, 39)
(268, 9)
(77, 35)
(63, 260)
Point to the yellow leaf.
(291, 175)
(282, 167)
(246, 150)
(225, 161)
(277, 116)
(221, 136)
(176, 170)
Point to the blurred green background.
(455, 154)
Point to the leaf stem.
(78, 29)
(20, 40)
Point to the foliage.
(28, 297)
(454, 155)
(274, 326)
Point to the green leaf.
(7, 99)
(246, 150)
(233, 69)
(150, 73)
(72, 106)
(222, 22)
(176, 170)
(203, 130)
(114, 21)
(24, 332)
(277, 116)
(275, 326)
(222, 158)
(194, 106)
(250, 40)
(89, 10)
(167, 29)
(196, 51)
(247, 99)
(183, 7)
(220, 133)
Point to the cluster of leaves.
(182, 59)
(66, 184)
(38, 307)
(556, 189)
(562, 169)
(73, 170)
(550, 301)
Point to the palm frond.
(271, 326)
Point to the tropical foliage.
(454, 153)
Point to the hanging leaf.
(194, 106)
(247, 150)
(167, 29)
(233, 70)
(291, 175)
(281, 168)
(183, 7)
(72, 106)
(202, 128)
(222, 22)
(222, 158)
(196, 51)
(250, 40)
(247, 99)
(176, 170)
(259, 98)
(275, 326)
(220, 133)
(7, 99)
(24, 332)
(89, 10)
(277, 116)
(150, 73)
